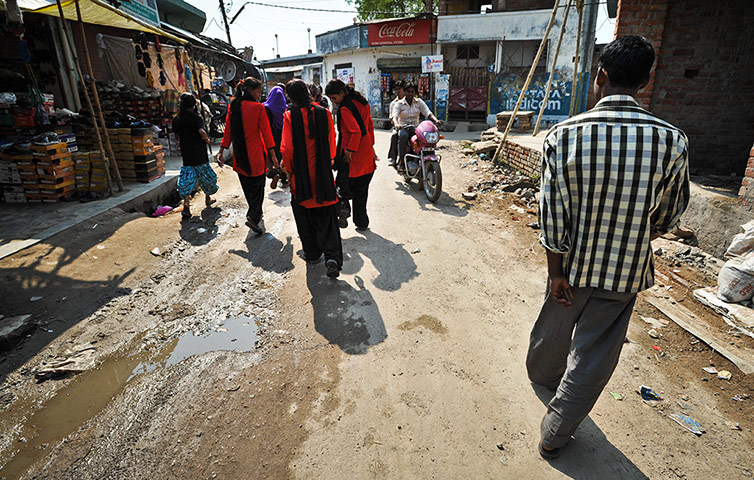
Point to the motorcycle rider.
(405, 117)
(392, 154)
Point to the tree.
(373, 9)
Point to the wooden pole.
(88, 100)
(575, 91)
(528, 80)
(200, 83)
(552, 71)
(95, 94)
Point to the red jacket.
(286, 151)
(258, 136)
(362, 162)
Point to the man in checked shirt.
(613, 178)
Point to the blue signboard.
(506, 88)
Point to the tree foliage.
(373, 9)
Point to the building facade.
(373, 56)
(488, 54)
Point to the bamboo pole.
(574, 88)
(552, 71)
(95, 94)
(88, 100)
(528, 80)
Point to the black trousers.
(319, 233)
(393, 151)
(359, 187)
(404, 136)
(253, 190)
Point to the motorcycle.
(421, 162)
(215, 107)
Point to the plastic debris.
(616, 396)
(724, 375)
(156, 252)
(739, 398)
(648, 394)
(416, 250)
(35, 299)
(685, 398)
(653, 333)
(733, 425)
(688, 423)
(683, 405)
(710, 370)
(162, 210)
(656, 348)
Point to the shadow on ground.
(393, 263)
(267, 252)
(445, 204)
(590, 454)
(346, 316)
(42, 271)
(201, 229)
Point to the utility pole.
(277, 45)
(309, 34)
(225, 21)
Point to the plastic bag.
(743, 242)
(735, 283)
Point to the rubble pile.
(693, 257)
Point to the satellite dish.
(228, 71)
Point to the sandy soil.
(410, 365)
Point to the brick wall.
(702, 79)
(524, 159)
(747, 184)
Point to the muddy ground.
(410, 365)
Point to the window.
(464, 52)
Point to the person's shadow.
(591, 455)
(267, 252)
(394, 264)
(345, 316)
(200, 230)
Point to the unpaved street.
(410, 365)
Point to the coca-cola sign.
(400, 32)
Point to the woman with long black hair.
(355, 160)
(248, 128)
(189, 127)
(308, 148)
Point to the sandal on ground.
(209, 201)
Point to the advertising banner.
(432, 63)
(400, 32)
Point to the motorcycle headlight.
(432, 137)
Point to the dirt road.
(410, 365)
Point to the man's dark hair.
(410, 85)
(627, 61)
(399, 84)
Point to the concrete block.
(13, 329)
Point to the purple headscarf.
(277, 104)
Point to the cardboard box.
(57, 159)
(55, 171)
(11, 178)
(143, 151)
(13, 189)
(14, 197)
(53, 149)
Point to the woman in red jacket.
(248, 127)
(307, 148)
(355, 160)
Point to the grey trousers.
(574, 351)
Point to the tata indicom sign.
(400, 32)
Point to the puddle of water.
(235, 334)
(89, 393)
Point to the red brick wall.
(702, 78)
(524, 159)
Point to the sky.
(257, 25)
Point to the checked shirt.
(610, 177)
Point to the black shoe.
(362, 229)
(332, 268)
(257, 228)
(549, 454)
